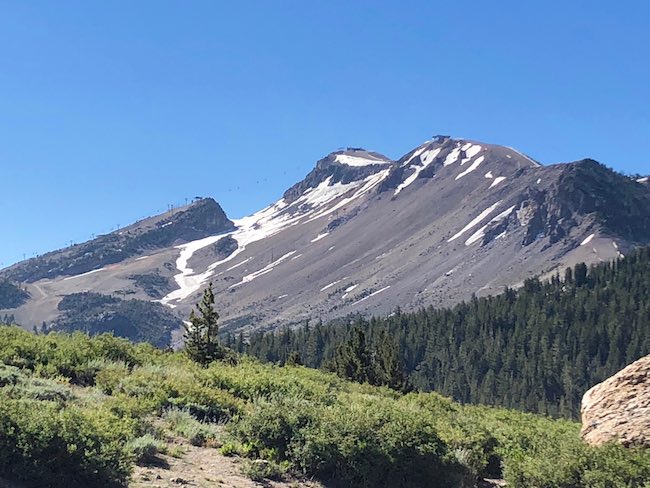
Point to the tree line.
(537, 348)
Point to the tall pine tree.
(202, 333)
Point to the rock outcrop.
(618, 409)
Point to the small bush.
(145, 448)
(9, 375)
(109, 377)
(175, 451)
(46, 390)
(182, 423)
(230, 449)
(261, 469)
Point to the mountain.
(360, 234)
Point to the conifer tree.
(388, 367)
(202, 333)
(293, 359)
(353, 359)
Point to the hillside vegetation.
(80, 411)
(137, 320)
(538, 348)
(11, 296)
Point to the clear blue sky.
(111, 110)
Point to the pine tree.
(388, 367)
(353, 359)
(293, 359)
(201, 334)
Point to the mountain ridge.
(361, 233)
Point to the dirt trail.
(40, 290)
(202, 467)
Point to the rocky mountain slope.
(361, 233)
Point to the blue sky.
(109, 111)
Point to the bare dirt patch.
(202, 467)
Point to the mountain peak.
(343, 166)
(358, 157)
(361, 233)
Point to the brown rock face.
(618, 409)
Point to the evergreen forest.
(537, 348)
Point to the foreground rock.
(618, 409)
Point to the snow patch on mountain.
(186, 280)
(474, 222)
(365, 160)
(535, 163)
(371, 295)
(497, 180)
(320, 236)
(331, 284)
(587, 240)
(348, 290)
(415, 154)
(426, 159)
(470, 152)
(84, 274)
(472, 167)
(324, 193)
(452, 157)
(370, 183)
(266, 269)
(239, 264)
(479, 234)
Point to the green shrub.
(261, 469)
(9, 375)
(41, 389)
(144, 449)
(71, 356)
(17, 384)
(571, 464)
(182, 423)
(163, 386)
(41, 442)
(230, 449)
(359, 441)
(110, 375)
